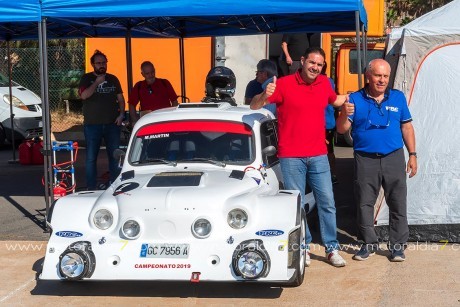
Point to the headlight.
(16, 102)
(131, 229)
(77, 261)
(103, 219)
(237, 218)
(201, 228)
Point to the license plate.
(40, 124)
(165, 250)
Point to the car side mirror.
(269, 151)
(119, 155)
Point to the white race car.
(199, 198)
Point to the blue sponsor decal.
(144, 249)
(270, 233)
(68, 234)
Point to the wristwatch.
(413, 154)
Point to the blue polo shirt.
(253, 88)
(377, 128)
(330, 112)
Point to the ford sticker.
(269, 233)
(68, 234)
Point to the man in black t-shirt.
(294, 46)
(103, 113)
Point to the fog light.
(250, 260)
(201, 228)
(250, 264)
(77, 261)
(131, 229)
(72, 265)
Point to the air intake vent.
(175, 179)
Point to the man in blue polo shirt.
(381, 124)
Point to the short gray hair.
(268, 66)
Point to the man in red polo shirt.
(153, 93)
(301, 101)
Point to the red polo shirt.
(155, 96)
(300, 110)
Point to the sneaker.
(363, 253)
(335, 259)
(397, 255)
(307, 258)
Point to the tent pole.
(364, 46)
(47, 165)
(182, 69)
(10, 72)
(129, 61)
(358, 49)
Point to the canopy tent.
(163, 18)
(425, 66)
(167, 18)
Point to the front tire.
(2, 136)
(301, 253)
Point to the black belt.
(373, 154)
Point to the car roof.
(207, 111)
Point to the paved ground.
(430, 276)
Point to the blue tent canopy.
(180, 18)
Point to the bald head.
(378, 74)
(378, 63)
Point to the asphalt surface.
(430, 275)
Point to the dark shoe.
(397, 255)
(364, 253)
(334, 179)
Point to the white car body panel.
(166, 213)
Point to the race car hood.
(174, 190)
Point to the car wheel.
(301, 252)
(2, 136)
(348, 138)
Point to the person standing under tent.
(103, 114)
(381, 125)
(301, 100)
(153, 93)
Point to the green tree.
(401, 12)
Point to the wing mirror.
(269, 151)
(119, 155)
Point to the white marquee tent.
(425, 61)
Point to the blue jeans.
(93, 136)
(315, 170)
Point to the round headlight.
(237, 218)
(72, 265)
(131, 229)
(251, 264)
(103, 219)
(201, 228)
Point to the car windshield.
(215, 142)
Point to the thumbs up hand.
(270, 89)
(348, 107)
